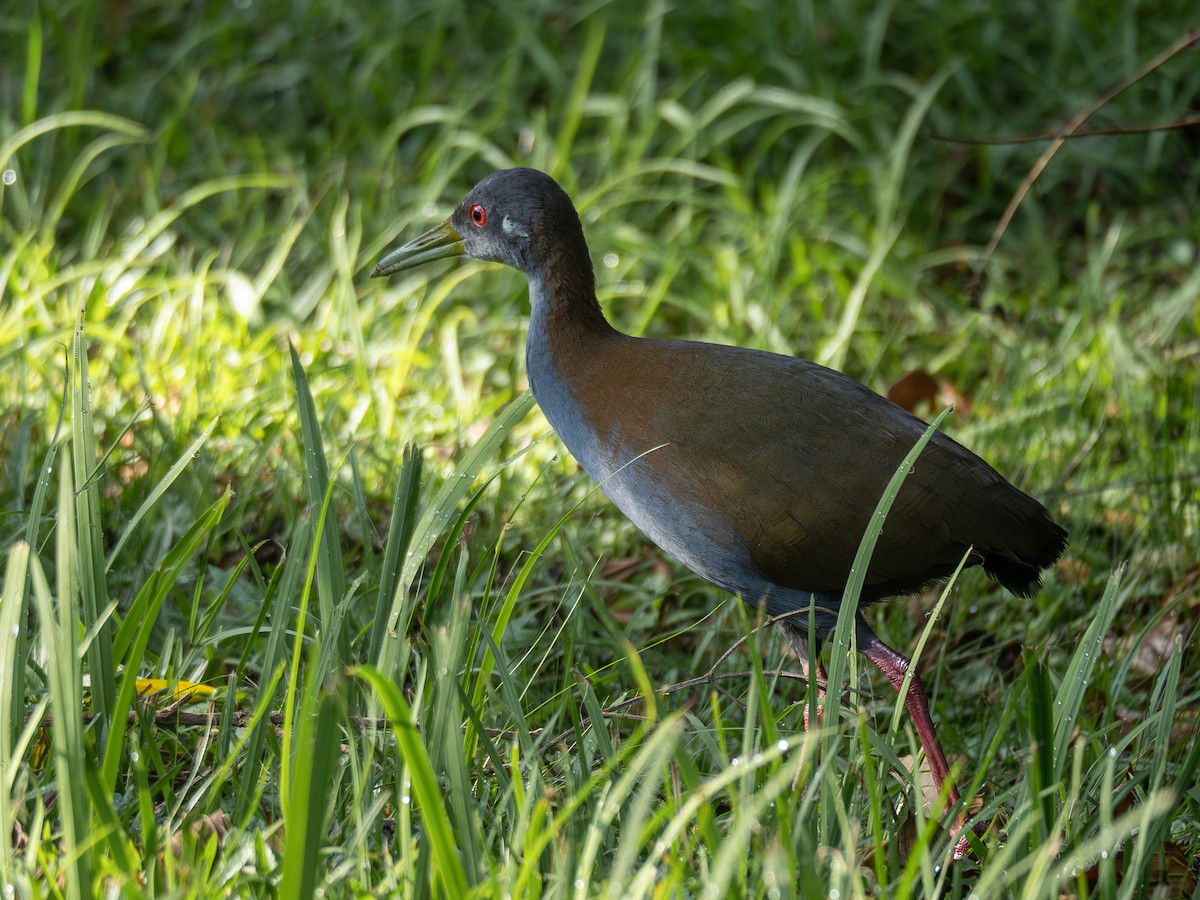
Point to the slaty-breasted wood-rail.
(757, 471)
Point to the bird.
(756, 470)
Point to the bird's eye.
(478, 215)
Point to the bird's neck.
(565, 327)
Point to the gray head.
(519, 217)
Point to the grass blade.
(331, 576)
(844, 632)
(88, 548)
(136, 630)
(404, 520)
(161, 488)
(437, 515)
(313, 786)
(1079, 671)
(12, 701)
(425, 784)
(66, 703)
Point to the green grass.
(437, 670)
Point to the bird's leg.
(798, 634)
(894, 666)
(818, 688)
(808, 656)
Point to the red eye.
(478, 215)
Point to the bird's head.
(519, 217)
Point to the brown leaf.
(919, 389)
(914, 389)
(1152, 653)
(929, 789)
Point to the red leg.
(894, 666)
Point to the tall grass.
(300, 594)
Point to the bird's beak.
(436, 243)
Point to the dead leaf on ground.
(905, 836)
(1152, 652)
(928, 784)
(198, 832)
(920, 389)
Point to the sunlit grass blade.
(293, 698)
(449, 753)
(1078, 675)
(57, 634)
(746, 817)
(313, 787)
(1040, 711)
(1154, 830)
(12, 705)
(658, 747)
(37, 505)
(137, 628)
(425, 785)
(434, 519)
(1064, 869)
(843, 639)
(160, 489)
(405, 501)
(888, 223)
(331, 575)
(285, 586)
(88, 546)
(68, 119)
